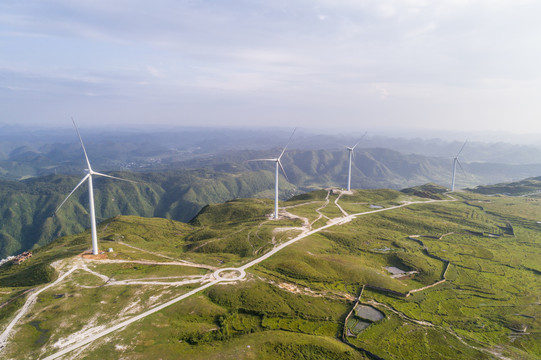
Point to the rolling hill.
(518, 188)
(468, 284)
(27, 206)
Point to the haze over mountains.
(26, 153)
(182, 171)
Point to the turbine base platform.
(88, 255)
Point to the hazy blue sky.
(469, 64)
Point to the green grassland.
(393, 339)
(125, 271)
(331, 211)
(489, 303)
(526, 186)
(430, 191)
(361, 200)
(267, 345)
(247, 321)
(305, 210)
(226, 234)
(493, 285)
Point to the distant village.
(17, 259)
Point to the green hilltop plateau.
(519, 188)
(367, 274)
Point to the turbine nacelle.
(278, 165)
(455, 162)
(352, 155)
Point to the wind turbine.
(278, 165)
(351, 156)
(88, 176)
(455, 161)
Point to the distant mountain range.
(179, 189)
(25, 154)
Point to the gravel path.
(332, 222)
(29, 302)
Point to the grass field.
(294, 304)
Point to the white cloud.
(329, 56)
(386, 10)
(155, 72)
(383, 92)
(423, 30)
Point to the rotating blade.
(114, 177)
(83, 145)
(283, 151)
(263, 160)
(359, 140)
(460, 165)
(462, 148)
(281, 167)
(72, 191)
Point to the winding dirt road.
(217, 279)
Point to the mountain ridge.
(25, 212)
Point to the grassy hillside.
(27, 207)
(295, 303)
(430, 191)
(523, 187)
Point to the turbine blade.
(83, 145)
(263, 160)
(354, 146)
(281, 167)
(114, 177)
(462, 148)
(67, 197)
(460, 165)
(285, 147)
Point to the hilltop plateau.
(410, 274)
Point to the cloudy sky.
(445, 64)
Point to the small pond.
(360, 326)
(43, 333)
(394, 270)
(369, 313)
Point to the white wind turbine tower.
(278, 165)
(351, 156)
(455, 162)
(88, 176)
